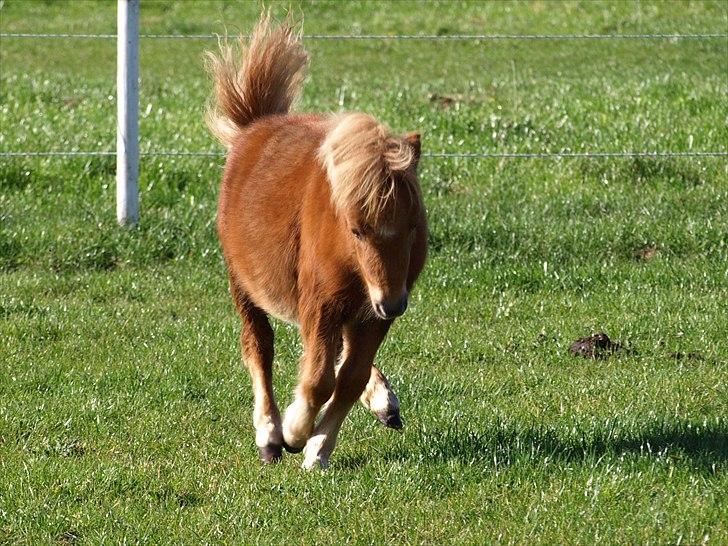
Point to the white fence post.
(127, 111)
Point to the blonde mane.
(360, 155)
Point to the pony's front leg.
(361, 342)
(256, 341)
(379, 398)
(316, 381)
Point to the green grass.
(125, 409)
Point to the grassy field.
(125, 409)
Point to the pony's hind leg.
(256, 341)
(360, 345)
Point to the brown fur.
(267, 80)
(318, 214)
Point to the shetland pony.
(322, 224)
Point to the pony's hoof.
(315, 463)
(391, 419)
(270, 454)
(291, 449)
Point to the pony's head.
(375, 191)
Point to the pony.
(322, 224)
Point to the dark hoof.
(270, 453)
(291, 449)
(391, 419)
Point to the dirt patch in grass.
(645, 253)
(596, 346)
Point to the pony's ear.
(413, 139)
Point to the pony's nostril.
(402, 305)
(389, 310)
(399, 307)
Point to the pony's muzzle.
(389, 309)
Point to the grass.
(125, 410)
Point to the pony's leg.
(256, 341)
(379, 398)
(360, 345)
(316, 381)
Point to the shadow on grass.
(700, 447)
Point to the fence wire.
(393, 37)
(446, 155)
(422, 37)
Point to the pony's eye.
(357, 233)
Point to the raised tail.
(264, 77)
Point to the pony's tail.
(265, 77)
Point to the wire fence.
(407, 37)
(394, 37)
(452, 155)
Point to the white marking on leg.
(267, 423)
(378, 396)
(323, 440)
(267, 429)
(298, 422)
(382, 399)
(313, 453)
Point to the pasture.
(125, 411)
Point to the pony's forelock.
(361, 155)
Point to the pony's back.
(263, 78)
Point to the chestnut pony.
(322, 225)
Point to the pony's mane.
(360, 155)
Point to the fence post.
(127, 112)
